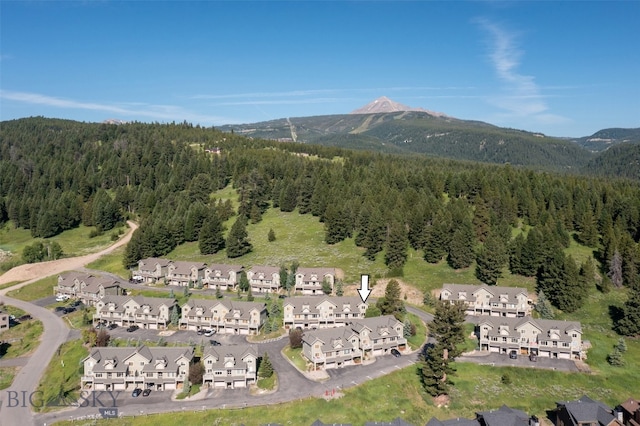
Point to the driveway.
(503, 360)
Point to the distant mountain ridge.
(606, 138)
(390, 127)
(384, 104)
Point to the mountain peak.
(384, 104)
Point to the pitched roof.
(495, 291)
(231, 305)
(171, 355)
(504, 416)
(314, 301)
(586, 410)
(153, 261)
(305, 272)
(395, 422)
(267, 270)
(543, 324)
(182, 267)
(154, 303)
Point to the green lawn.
(295, 356)
(268, 383)
(37, 290)
(22, 339)
(61, 380)
(6, 376)
(74, 242)
(418, 340)
(111, 262)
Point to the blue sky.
(561, 68)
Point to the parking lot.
(503, 360)
(179, 336)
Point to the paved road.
(14, 401)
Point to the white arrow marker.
(364, 288)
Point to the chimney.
(533, 421)
(619, 414)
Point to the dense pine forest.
(57, 174)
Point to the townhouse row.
(504, 322)
(235, 366)
(164, 368)
(262, 279)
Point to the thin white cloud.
(125, 110)
(521, 97)
(315, 92)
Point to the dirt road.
(32, 271)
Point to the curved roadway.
(15, 406)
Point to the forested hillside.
(421, 132)
(56, 174)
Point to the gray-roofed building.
(503, 416)
(152, 269)
(489, 300)
(584, 411)
(350, 345)
(225, 316)
(230, 367)
(322, 312)
(309, 280)
(88, 288)
(145, 312)
(547, 338)
(157, 368)
(222, 276)
(183, 274)
(264, 279)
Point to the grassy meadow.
(74, 242)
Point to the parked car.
(62, 297)
(69, 309)
(112, 326)
(77, 304)
(200, 331)
(533, 357)
(136, 392)
(513, 355)
(209, 332)
(146, 392)
(395, 352)
(132, 328)
(214, 343)
(60, 308)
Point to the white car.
(62, 298)
(209, 332)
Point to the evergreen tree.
(175, 316)
(532, 253)
(396, 247)
(515, 255)
(326, 287)
(375, 235)
(491, 260)
(250, 297)
(339, 288)
(615, 358)
(628, 324)
(237, 242)
(550, 277)
(437, 239)
(588, 234)
(243, 282)
(543, 306)
(271, 236)
(621, 345)
(211, 240)
(461, 253)
(574, 291)
(266, 369)
(447, 326)
(588, 273)
(435, 371)
(283, 276)
(391, 304)
(289, 197)
(218, 292)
